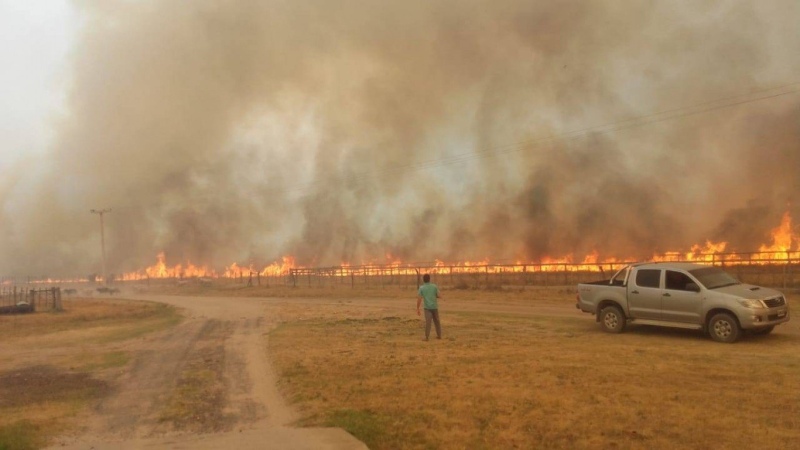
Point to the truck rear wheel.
(723, 327)
(612, 320)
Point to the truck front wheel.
(612, 320)
(723, 327)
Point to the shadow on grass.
(698, 335)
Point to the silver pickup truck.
(683, 295)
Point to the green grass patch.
(20, 435)
(104, 361)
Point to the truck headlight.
(750, 303)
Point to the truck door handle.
(667, 295)
(634, 292)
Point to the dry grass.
(88, 315)
(55, 364)
(514, 294)
(539, 381)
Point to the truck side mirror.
(692, 287)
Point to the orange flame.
(161, 270)
(711, 252)
(782, 237)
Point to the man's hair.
(426, 278)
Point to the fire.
(698, 253)
(277, 269)
(161, 270)
(782, 237)
(779, 251)
(234, 270)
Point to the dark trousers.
(432, 314)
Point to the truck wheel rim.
(722, 328)
(611, 320)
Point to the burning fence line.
(589, 264)
(779, 252)
(784, 250)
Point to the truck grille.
(773, 302)
(772, 317)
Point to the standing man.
(429, 292)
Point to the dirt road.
(227, 336)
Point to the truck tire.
(723, 327)
(762, 331)
(612, 320)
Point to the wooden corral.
(16, 300)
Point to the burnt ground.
(41, 384)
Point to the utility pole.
(100, 212)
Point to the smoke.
(241, 131)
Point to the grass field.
(55, 364)
(539, 381)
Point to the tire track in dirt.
(133, 410)
(253, 413)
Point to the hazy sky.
(35, 38)
(243, 131)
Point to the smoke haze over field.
(240, 131)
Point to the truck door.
(644, 294)
(679, 303)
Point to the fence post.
(57, 299)
(784, 270)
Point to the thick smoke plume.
(241, 131)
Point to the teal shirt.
(429, 292)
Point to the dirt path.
(226, 333)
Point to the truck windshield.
(713, 277)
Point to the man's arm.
(419, 302)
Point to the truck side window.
(677, 280)
(648, 278)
